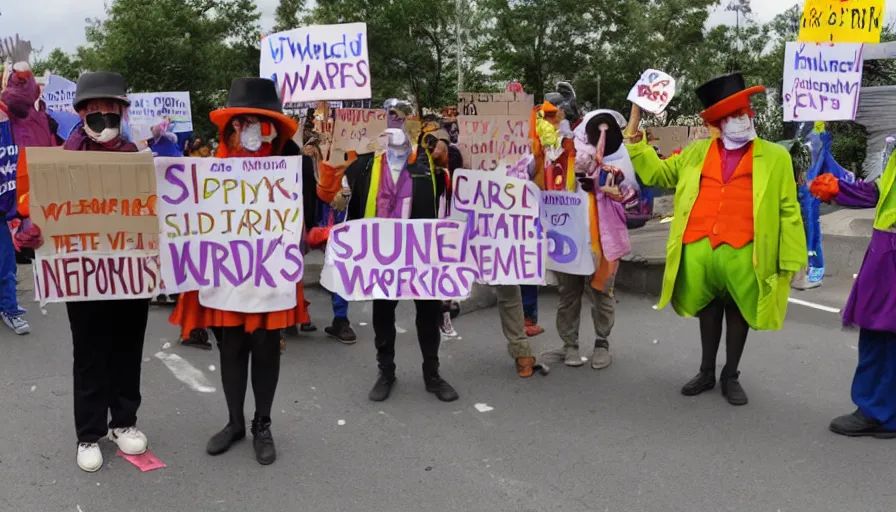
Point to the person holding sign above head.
(252, 124)
(737, 237)
(400, 184)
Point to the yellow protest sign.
(842, 21)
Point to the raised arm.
(851, 195)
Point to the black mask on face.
(99, 121)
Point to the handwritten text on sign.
(356, 130)
(231, 228)
(97, 213)
(822, 82)
(485, 141)
(564, 216)
(150, 108)
(653, 92)
(504, 236)
(842, 21)
(318, 62)
(59, 94)
(395, 259)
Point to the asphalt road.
(622, 439)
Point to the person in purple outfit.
(871, 306)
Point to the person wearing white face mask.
(737, 235)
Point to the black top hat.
(100, 85)
(258, 93)
(723, 95)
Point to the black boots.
(859, 425)
(264, 442)
(732, 390)
(436, 385)
(704, 381)
(383, 387)
(223, 440)
(342, 331)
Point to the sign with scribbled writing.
(842, 21)
(822, 82)
(495, 104)
(231, 228)
(59, 94)
(97, 214)
(356, 129)
(9, 157)
(151, 108)
(485, 141)
(564, 216)
(318, 62)
(504, 234)
(395, 259)
(653, 92)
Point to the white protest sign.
(231, 229)
(504, 236)
(59, 94)
(822, 81)
(653, 92)
(564, 216)
(397, 259)
(318, 62)
(151, 108)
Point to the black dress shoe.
(437, 386)
(859, 425)
(733, 391)
(263, 441)
(704, 381)
(223, 440)
(383, 387)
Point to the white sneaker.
(90, 458)
(129, 440)
(17, 323)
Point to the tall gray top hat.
(101, 85)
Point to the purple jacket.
(29, 126)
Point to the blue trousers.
(8, 302)
(530, 301)
(874, 385)
(340, 307)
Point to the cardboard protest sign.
(395, 259)
(151, 108)
(653, 91)
(564, 216)
(485, 141)
(318, 62)
(356, 129)
(504, 234)
(231, 228)
(842, 21)
(495, 104)
(822, 82)
(97, 213)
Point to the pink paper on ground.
(146, 462)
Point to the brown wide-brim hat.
(254, 97)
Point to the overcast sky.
(52, 23)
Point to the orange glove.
(317, 237)
(825, 187)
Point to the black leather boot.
(859, 425)
(263, 441)
(436, 385)
(704, 381)
(732, 390)
(223, 440)
(383, 386)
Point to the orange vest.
(723, 211)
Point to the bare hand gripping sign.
(97, 212)
(231, 229)
(395, 259)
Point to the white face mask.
(250, 137)
(107, 135)
(737, 132)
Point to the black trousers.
(429, 317)
(108, 352)
(236, 348)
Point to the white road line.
(813, 305)
(185, 372)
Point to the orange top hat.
(724, 96)
(256, 97)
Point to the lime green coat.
(885, 218)
(779, 240)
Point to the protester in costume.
(871, 305)
(400, 183)
(252, 124)
(162, 142)
(737, 236)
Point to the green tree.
(59, 63)
(288, 14)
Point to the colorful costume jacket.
(779, 242)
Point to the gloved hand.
(825, 187)
(28, 235)
(340, 202)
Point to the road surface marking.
(483, 408)
(813, 305)
(185, 372)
